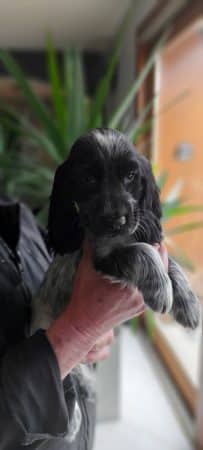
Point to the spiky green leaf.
(25, 128)
(180, 256)
(2, 140)
(184, 228)
(149, 320)
(129, 98)
(75, 88)
(58, 97)
(37, 107)
(170, 211)
(104, 85)
(162, 179)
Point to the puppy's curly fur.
(106, 192)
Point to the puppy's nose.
(119, 222)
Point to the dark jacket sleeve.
(32, 402)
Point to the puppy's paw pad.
(187, 313)
(167, 301)
(160, 297)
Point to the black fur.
(107, 193)
(108, 164)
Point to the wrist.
(69, 342)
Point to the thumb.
(87, 260)
(164, 255)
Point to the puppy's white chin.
(134, 229)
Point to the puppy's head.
(101, 191)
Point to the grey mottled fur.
(55, 291)
(127, 259)
(146, 271)
(186, 307)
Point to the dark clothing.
(37, 410)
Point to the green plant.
(174, 206)
(71, 113)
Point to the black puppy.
(105, 192)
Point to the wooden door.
(178, 140)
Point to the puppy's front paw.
(140, 265)
(186, 310)
(152, 279)
(159, 295)
(186, 306)
(188, 316)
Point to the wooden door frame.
(181, 21)
(178, 23)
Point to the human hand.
(100, 350)
(98, 304)
(163, 252)
(109, 304)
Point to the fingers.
(138, 301)
(164, 254)
(161, 248)
(140, 309)
(105, 340)
(94, 357)
(101, 349)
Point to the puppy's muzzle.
(114, 223)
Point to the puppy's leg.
(142, 266)
(186, 307)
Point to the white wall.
(127, 69)
(86, 23)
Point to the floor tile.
(148, 420)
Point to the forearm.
(69, 343)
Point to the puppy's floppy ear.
(64, 230)
(149, 191)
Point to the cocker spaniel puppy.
(105, 192)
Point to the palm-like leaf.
(75, 88)
(129, 98)
(2, 140)
(104, 85)
(171, 210)
(56, 84)
(134, 131)
(37, 107)
(181, 257)
(161, 180)
(185, 228)
(72, 112)
(26, 129)
(141, 127)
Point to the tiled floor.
(150, 416)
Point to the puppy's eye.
(90, 179)
(130, 176)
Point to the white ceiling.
(87, 23)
